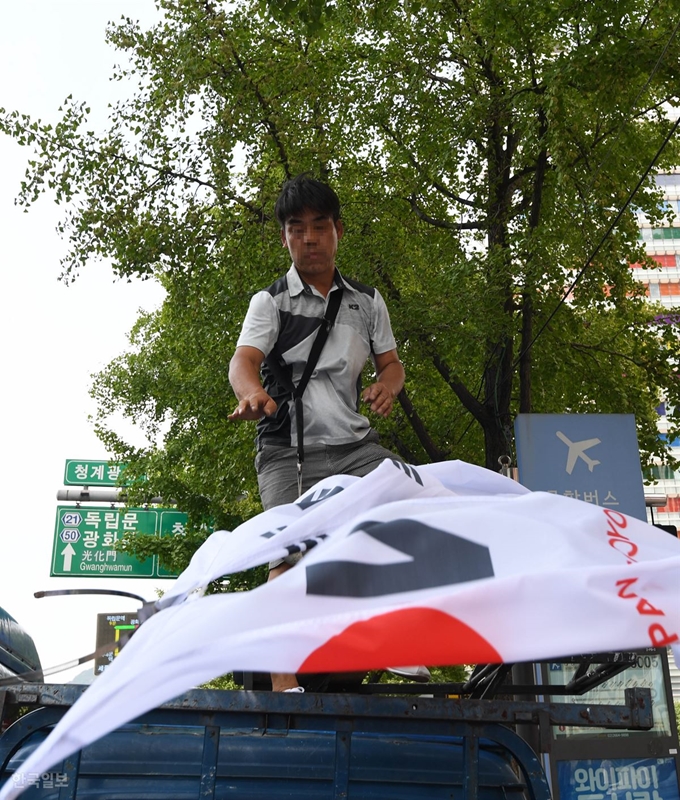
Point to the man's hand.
(380, 397)
(244, 375)
(390, 382)
(256, 405)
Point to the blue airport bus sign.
(590, 457)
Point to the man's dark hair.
(304, 192)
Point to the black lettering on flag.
(306, 544)
(324, 494)
(410, 471)
(269, 534)
(438, 558)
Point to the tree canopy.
(482, 152)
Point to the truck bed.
(256, 745)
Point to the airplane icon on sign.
(577, 450)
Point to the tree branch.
(461, 391)
(468, 400)
(440, 223)
(48, 141)
(264, 105)
(421, 170)
(598, 349)
(433, 452)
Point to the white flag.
(462, 575)
(296, 526)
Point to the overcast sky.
(53, 336)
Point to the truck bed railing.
(344, 715)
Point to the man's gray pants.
(277, 470)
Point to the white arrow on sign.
(68, 552)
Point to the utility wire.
(612, 225)
(633, 106)
(600, 244)
(628, 200)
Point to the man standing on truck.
(277, 336)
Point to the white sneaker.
(298, 689)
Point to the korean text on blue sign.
(590, 457)
(618, 779)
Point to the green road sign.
(170, 524)
(92, 473)
(84, 539)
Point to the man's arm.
(244, 376)
(390, 382)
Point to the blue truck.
(371, 742)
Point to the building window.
(671, 289)
(659, 472)
(666, 261)
(665, 233)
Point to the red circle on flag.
(412, 635)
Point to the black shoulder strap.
(320, 340)
(321, 335)
(274, 364)
(272, 360)
(317, 346)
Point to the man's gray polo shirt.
(285, 318)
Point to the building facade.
(663, 287)
(662, 243)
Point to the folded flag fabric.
(299, 526)
(469, 567)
